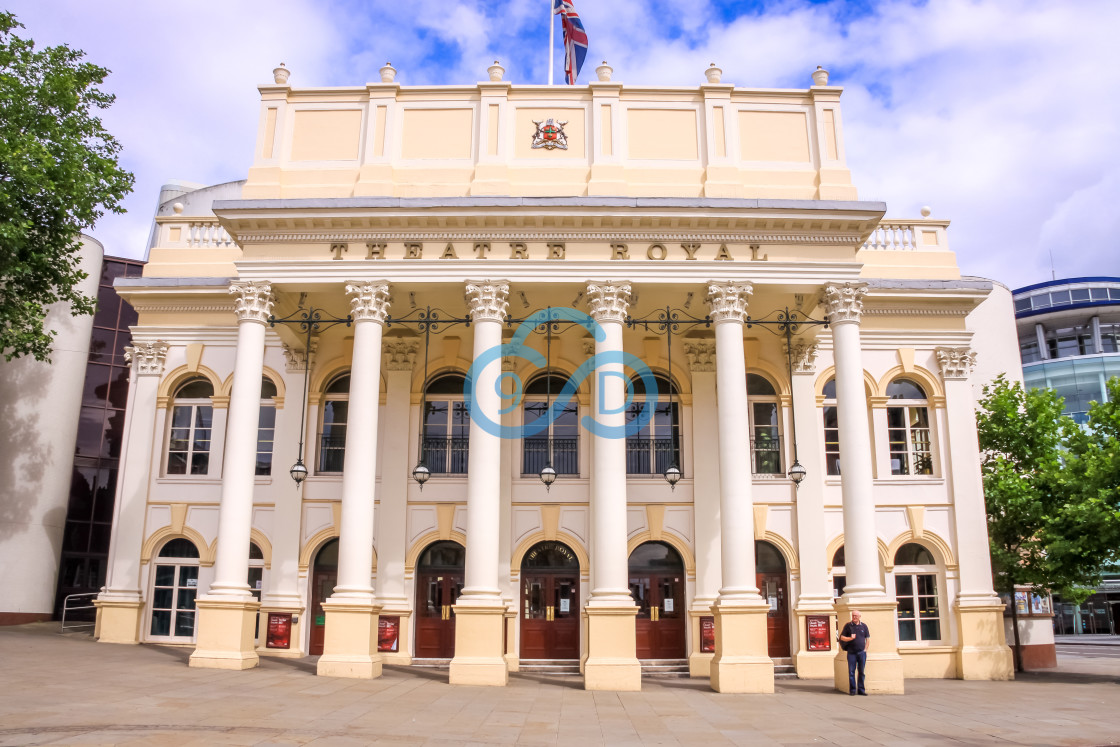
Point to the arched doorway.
(174, 588)
(657, 585)
(324, 577)
(439, 581)
(550, 602)
(770, 570)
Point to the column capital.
(609, 302)
(956, 363)
(488, 300)
(400, 355)
(701, 355)
(147, 358)
(369, 300)
(254, 300)
(728, 300)
(844, 301)
(803, 357)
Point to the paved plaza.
(70, 690)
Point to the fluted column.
(612, 662)
(701, 356)
(227, 612)
(480, 611)
(350, 638)
(119, 605)
(983, 652)
(741, 663)
(863, 590)
(815, 593)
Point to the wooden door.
(549, 615)
(436, 594)
(322, 586)
(661, 615)
(771, 576)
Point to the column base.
(479, 645)
(224, 638)
(350, 640)
(118, 620)
(814, 665)
(984, 653)
(883, 673)
(295, 638)
(741, 663)
(612, 644)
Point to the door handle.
(550, 614)
(446, 612)
(654, 614)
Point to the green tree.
(1052, 517)
(58, 175)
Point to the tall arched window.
(266, 427)
(908, 429)
(766, 450)
(560, 440)
(657, 444)
(332, 434)
(831, 429)
(916, 589)
(192, 419)
(447, 425)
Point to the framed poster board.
(388, 633)
(707, 634)
(817, 632)
(279, 630)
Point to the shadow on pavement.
(182, 653)
(427, 673)
(305, 664)
(572, 681)
(1067, 678)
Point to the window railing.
(535, 455)
(332, 452)
(446, 455)
(766, 456)
(652, 456)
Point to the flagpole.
(551, 38)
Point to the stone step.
(432, 663)
(549, 666)
(664, 667)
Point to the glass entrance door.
(549, 602)
(657, 585)
(439, 581)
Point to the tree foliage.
(58, 175)
(1052, 488)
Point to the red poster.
(388, 633)
(819, 638)
(279, 630)
(707, 635)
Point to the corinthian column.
(612, 661)
(119, 604)
(227, 613)
(350, 638)
(480, 611)
(983, 652)
(844, 307)
(741, 663)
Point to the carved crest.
(550, 135)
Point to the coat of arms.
(550, 135)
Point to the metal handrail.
(67, 608)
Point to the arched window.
(174, 588)
(766, 451)
(908, 429)
(916, 589)
(192, 419)
(332, 435)
(831, 430)
(839, 574)
(657, 444)
(266, 427)
(447, 425)
(559, 442)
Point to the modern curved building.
(1069, 338)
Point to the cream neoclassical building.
(424, 532)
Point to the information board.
(817, 632)
(279, 630)
(388, 633)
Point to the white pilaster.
(741, 663)
(227, 612)
(119, 605)
(350, 643)
(612, 662)
(480, 610)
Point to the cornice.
(320, 236)
(913, 311)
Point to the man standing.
(856, 638)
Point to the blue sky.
(1001, 115)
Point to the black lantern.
(673, 475)
(421, 473)
(548, 476)
(796, 472)
(298, 471)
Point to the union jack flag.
(575, 38)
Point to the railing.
(207, 233)
(652, 456)
(766, 456)
(535, 455)
(891, 236)
(67, 607)
(446, 455)
(332, 452)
